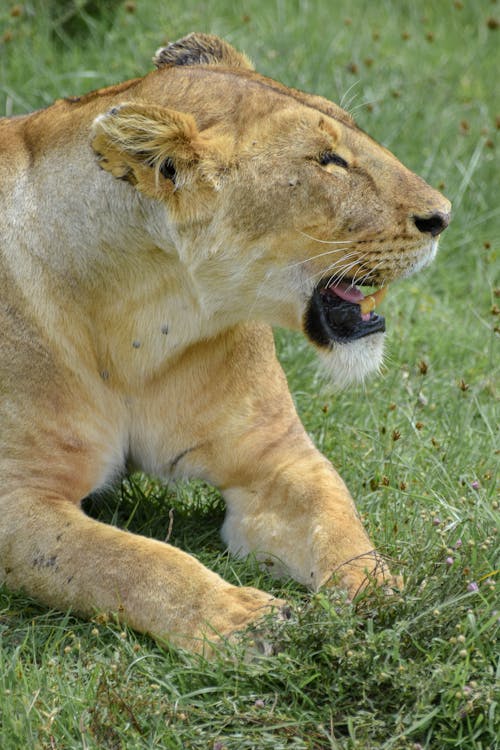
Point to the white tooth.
(370, 302)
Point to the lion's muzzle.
(333, 317)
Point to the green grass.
(416, 446)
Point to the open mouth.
(340, 312)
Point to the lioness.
(150, 235)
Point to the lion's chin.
(348, 363)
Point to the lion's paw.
(243, 619)
(365, 571)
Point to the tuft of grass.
(416, 446)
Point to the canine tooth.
(371, 301)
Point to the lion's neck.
(108, 273)
(99, 265)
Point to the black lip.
(329, 318)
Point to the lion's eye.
(330, 157)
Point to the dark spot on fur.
(180, 456)
(41, 561)
(164, 330)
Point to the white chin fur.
(351, 363)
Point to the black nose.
(433, 224)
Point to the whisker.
(347, 257)
(365, 103)
(339, 264)
(346, 267)
(340, 267)
(371, 272)
(315, 257)
(340, 277)
(343, 101)
(328, 242)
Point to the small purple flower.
(449, 561)
(458, 544)
(436, 521)
(259, 703)
(472, 586)
(475, 484)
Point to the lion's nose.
(433, 224)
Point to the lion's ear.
(201, 49)
(154, 148)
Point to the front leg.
(285, 502)
(55, 553)
(294, 512)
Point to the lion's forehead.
(218, 95)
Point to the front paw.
(368, 569)
(238, 616)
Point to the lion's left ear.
(201, 49)
(154, 148)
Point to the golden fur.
(135, 305)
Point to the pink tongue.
(346, 291)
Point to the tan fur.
(135, 305)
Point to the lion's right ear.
(154, 148)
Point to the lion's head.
(281, 207)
